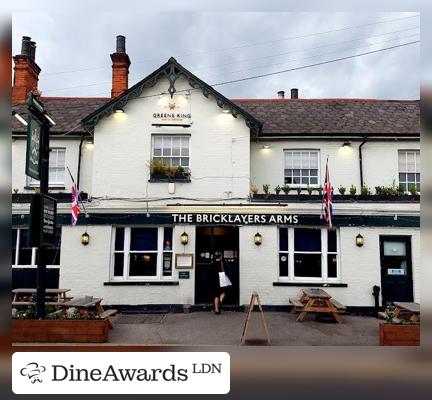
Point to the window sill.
(141, 283)
(311, 284)
(49, 187)
(163, 180)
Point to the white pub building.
(171, 171)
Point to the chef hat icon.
(32, 371)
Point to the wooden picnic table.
(315, 300)
(407, 310)
(22, 296)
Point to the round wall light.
(257, 239)
(359, 240)
(85, 239)
(184, 238)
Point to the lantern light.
(85, 238)
(184, 238)
(119, 110)
(257, 239)
(359, 240)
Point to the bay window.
(142, 253)
(308, 254)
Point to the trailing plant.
(365, 190)
(309, 189)
(286, 188)
(266, 188)
(342, 190)
(254, 188)
(352, 190)
(277, 189)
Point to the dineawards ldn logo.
(33, 371)
(121, 373)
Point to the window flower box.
(399, 334)
(61, 331)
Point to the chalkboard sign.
(43, 215)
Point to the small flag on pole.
(75, 205)
(327, 200)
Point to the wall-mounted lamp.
(85, 239)
(225, 110)
(19, 118)
(346, 144)
(257, 239)
(266, 146)
(119, 110)
(359, 240)
(184, 238)
(49, 118)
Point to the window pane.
(314, 172)
(143, 264)
(167, 264)
(283, 264)
(313, 181)
(332, 242)
(184, 162)
(402, 177)
(402, 161)
(175, 161)
(53, 256)
(118, 264)
(143, 239)
(307, 265)
(25, 252)
(417, 161)
(410, 162)
(332, 265)
(119, 239)
(411, 177)
(14, 238)
(296, 160)
(307, 239)
(288, 159)
(168, 238)
(314, 160)
(394, 249)
(283, 239)
(395, 265)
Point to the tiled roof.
(334, 116)
(285, 117)
(67, 112)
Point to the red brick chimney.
(26, 71)
(120, 68)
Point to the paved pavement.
(206, 328)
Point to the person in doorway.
(218, 291)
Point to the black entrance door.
(208, 240)
(396, 268)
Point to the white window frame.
(324, 261)
(417, 171)
(35, 183)
(301, 185)
(170, 157)
(33, 255)
(126, 251)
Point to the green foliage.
(286, 188)
(299, 189)
(320, 190)
(342, 190)
(365, 190)
(159, 169)
(309, 189)
(412, 189)
(266, 188)
(277, 189)
(352, 190)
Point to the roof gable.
(171, 70)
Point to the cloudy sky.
(73, 51)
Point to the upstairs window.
(172, 150)
(301, 168)
(409, 169)
(56, 168)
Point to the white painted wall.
(380, 162)
(219, 149)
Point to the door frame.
(408, 244)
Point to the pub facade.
(171, 171)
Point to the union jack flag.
(327, 200)
(75, 205)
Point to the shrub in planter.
(254, 189)
(266, 188)
(401, 190)
(309, 189)
(388, 191)
(277, 189)
(365, 190)
(299, 189)
(286, 189)
(412, 189)
(342, 190)
(352, 190)
(158, 169)
(320, 190)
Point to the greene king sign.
(236, 219)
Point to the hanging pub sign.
(43, 216)
(33, 151)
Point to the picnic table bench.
(315, 300)
(407, 311)
(23, 296)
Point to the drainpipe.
(361, 161)
(79, 161)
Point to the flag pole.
(79, 193)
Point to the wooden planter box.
(399, 335)
(62, 331)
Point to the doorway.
(208, 240)
(396, 269)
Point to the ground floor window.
(25, 256)
(142, 253)
(308, 254)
